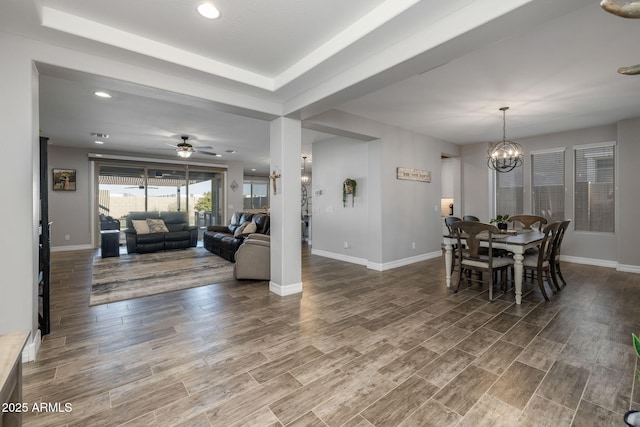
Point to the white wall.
(19, 210)
(601, 248)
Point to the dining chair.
(448, 221)
(471, 218)
(541, 262)
(555, 255)
(526, 221)
(471, 259)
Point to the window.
(595, 188)
(255, 194)
(547, 181)
(509, 192)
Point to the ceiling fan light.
(184, 154)
(208, 11)
(102, 94)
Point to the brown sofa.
(224, 241)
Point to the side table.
(110, 243)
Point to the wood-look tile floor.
(357, 348)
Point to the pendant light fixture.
(304, 177)
(505, 155)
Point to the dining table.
(514, 241)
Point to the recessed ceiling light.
(253, 169)
(102, 94)
(231, 151)
(99, 142)
(208, 10)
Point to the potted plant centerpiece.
(632, 418)
(501, 221)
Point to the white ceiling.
(438, 68)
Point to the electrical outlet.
(67, 237)
(346, 245)
(413, 245)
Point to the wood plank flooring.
(357, 348)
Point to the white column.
(286, 259)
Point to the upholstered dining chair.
(471, 218)
(555, 255)
(470, 258)
(526, 221)
(541, 262)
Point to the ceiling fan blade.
(171, 145)
(204, 147)
(210, 154)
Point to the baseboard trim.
(629, 268)
(377, 266)
(339, 257)
(71, 248)
(402, 262)
(589, 261)
(284, 290)
(31, 348)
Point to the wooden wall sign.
(410, 174)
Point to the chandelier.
(505, 155)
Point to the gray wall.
(333, 224)
(70, 211)
(398, 213)
(628, 193)
(597, 247)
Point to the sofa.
(144, 232)
(253, 258)
(224, 241)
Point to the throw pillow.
(250, 228)
(141, 226)
(157, 226)
(240, 229)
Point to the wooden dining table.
(514, 243)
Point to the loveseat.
(144, 232)
(224, 241)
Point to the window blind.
(509, 192)
(547, 181)
(595, 188)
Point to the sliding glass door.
(197, 191)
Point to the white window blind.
(547, 181)
(595, 188)
(509, 192)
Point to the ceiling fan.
(141, 187)
(624, 9)
(185, 149)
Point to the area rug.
(139, 275)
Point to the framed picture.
(64, 179)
